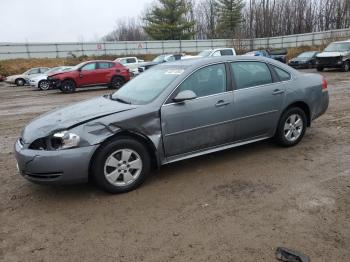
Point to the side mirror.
(184, 96)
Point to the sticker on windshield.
(174, 72)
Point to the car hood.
(72, 116)
(332, 54)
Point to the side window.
(34, 71)
(43, 70)
(206, 81)
(88, 67)
(226, 52)
(217, 53)
(249, 74)
(103, 65)
(170, 58)
(131, 60)
(283, 75)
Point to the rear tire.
(20, 82)
(121, 165)
(117, 82)
(291, 127)
(68, 86)
(44, 85)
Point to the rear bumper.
(54, 167)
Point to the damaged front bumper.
(68, 166)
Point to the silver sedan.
(171, 112)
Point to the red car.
(91, 73)
(2, 78)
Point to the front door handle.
(278, 92)
(222, 103)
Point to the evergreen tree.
(229, 13)
(168, 20)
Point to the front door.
(87, 75)
(203, 122)
(257, 100)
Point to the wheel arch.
(144, 140)
(302, 105)
(71, 79)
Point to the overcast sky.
(63, 20)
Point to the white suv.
(217, 52)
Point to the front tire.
(44, 85)
(291, 128)
(121, 165)
(20, 82)
(346, 66)
(68, 86)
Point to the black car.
(159, 60)
(304, 60)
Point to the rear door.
(258, 98)
(87, 75)
(103, 72)
(203, 122)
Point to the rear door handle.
(278, 92)
(222, 103)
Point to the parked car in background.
(132, 63)
(336, 55)
(279, 55)
(159, 60)
(91, 73)
(262, 53)
(304, 60)
(171, 112)
(40, 81)
(20, 80)
(2, 78)
(217, 52)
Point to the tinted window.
(226, 52)
(248, 74)
(206, 81)
(91, 66)
(283, 75)
(104, 65)
(131, 60)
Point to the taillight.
(324, 84)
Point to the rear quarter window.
(282, 74)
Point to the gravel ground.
(235, 205)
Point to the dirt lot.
(236, 205)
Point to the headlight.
(64, 140)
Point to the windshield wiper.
(120, 100)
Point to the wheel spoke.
(286, 126)
(292, 119)
(113, 176)
(289, 135)
(113, 162)
(136, 164)
(299, 123)
(128, 177)
(126, 155)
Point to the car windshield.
(338, 47)
(159, 59)
(146, 87)
(306, 54)
(205, 53)
(77, 66)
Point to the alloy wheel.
(123, 167)
(293, 127)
